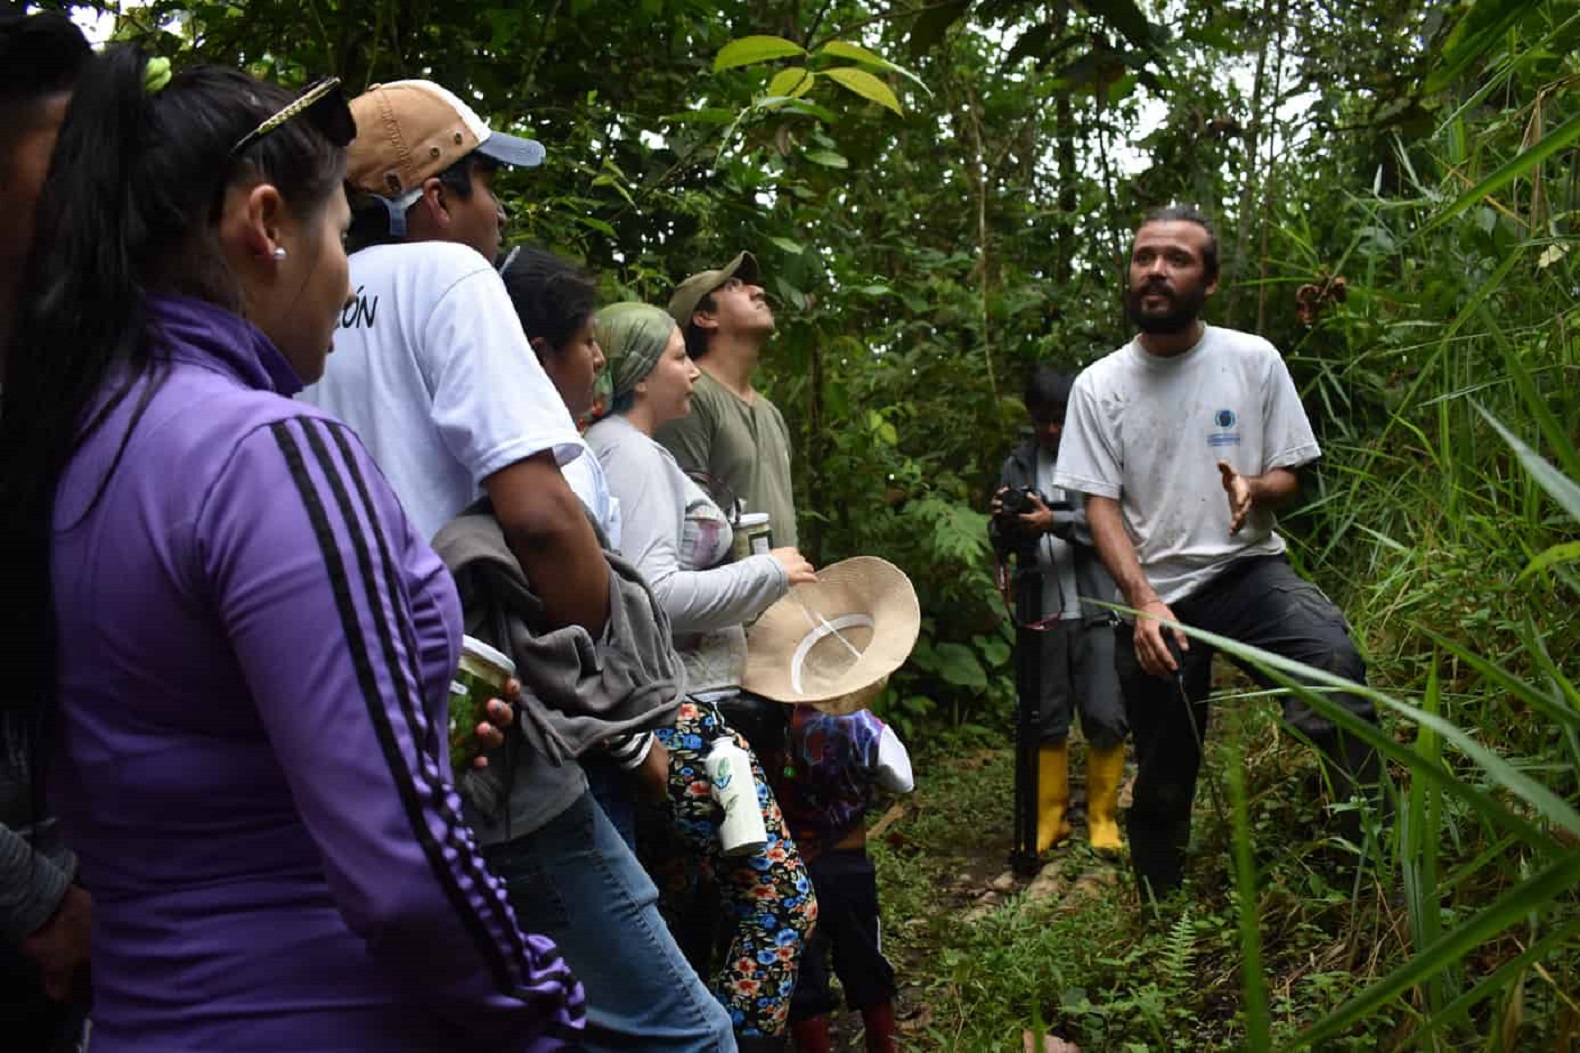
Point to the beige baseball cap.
(411, 130)
(689, 293)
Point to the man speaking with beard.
(1184, 442)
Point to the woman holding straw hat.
(681, 541)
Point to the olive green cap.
(690, 292)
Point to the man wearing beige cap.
(430, 364)
(734, 435)
(431, 368)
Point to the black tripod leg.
(1028, 691)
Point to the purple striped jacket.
(254, 649)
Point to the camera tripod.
(1028, 693)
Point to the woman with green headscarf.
(680, 540)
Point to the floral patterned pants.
(767, 897)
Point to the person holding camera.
(1077, 640)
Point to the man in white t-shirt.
(1185, 441)
(430, 365)
(431, 368)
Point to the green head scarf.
(633, 337)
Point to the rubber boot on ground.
(1053, 794)
(879, 1023)
(811, 1035)
(1104, 770)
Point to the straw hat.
(833, 642)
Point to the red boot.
(879, 1022)
(811, 1034)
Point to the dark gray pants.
(1077, 674)
(1259, 601)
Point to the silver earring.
(279, 253)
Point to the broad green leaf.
(596, 224)
(1553, 143)
(1482, 27)
(857, 53)
(1126, 17)
(1033, 42)
(748, 51)
(792, 247)
(994, 649)
(826, 158)
(866, 85)
(793, 82)
(804, 106)
(709, 115)
(960, 667)
(790, 292)
(1565, 552)
(932, 23)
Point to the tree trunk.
(1248, 187)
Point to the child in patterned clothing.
(834, 766)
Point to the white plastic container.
(730, 773)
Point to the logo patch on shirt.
(1224, 432)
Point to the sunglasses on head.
(324, 106)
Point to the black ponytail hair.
(553, 296)
(129, 208)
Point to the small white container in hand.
(730, 773)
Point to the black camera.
(1016, 501)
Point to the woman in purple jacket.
(234, 648)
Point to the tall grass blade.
(1258, 1013)
(1562, 489)
(1529, 897)
(1421, 831)
(1309, 682)
(1552, 144)
(1499, 978)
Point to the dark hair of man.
(696, 337)
(131, 205)
(1190, 214)
(1047, 390)
(40, 56)
(370, 217)
(553, 297)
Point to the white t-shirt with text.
(1150, 431)
(432, 370)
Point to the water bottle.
(734, 788)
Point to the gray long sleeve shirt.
(35, 865)
(707, 606)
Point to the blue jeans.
(611, 788)
(575, 881)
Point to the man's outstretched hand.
(1238, 487)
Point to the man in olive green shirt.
(734, 434)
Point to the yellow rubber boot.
(1053, 794)
(1104, 769)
